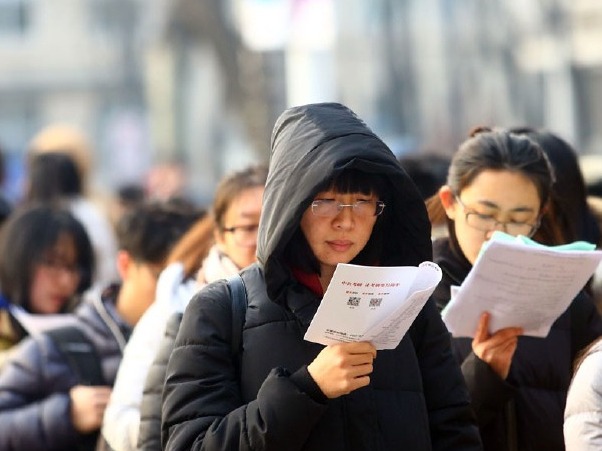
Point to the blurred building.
(200, 82)
(74, 62)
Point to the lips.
(340, 245)
(56, 303)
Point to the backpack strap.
(80, 353)
(238, 297)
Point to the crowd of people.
(119, 328)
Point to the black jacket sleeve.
(452, 423)
(489, 392)
(202, 407)
(149, 437)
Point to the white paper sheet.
(35, 324)
(520, 286)
(375, 304)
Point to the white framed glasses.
(331, 208)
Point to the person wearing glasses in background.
(45, 402)
(499, 180)
(46, 263)
(335, 193)
(217, 246)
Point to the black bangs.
(356, 181)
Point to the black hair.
(488, 149)
(52, 177)
(569, 194)
(500, 150)
(27, 236)
(427, 170)
(131, 194)
(149, 230)
(298, 253)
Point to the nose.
(67, 277)
(344, 219)
(501, 226)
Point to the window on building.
(110, 17)
(14, 16)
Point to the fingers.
(482, 332)
(496, 349)
(359, 347)
(87, 407)
(100, 398)
(341, 368)
(509, 333)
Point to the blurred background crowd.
(169, 95)
(105, 104)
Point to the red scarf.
(310, 280)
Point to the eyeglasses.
(56, 267)
(487, 223)
(331, 208)
(244, 235)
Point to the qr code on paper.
(375, 302)
(353, 301)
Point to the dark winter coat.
(416, 400)
(149, 437)
(533, 397)
(35, 383)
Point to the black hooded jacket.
(416, 400)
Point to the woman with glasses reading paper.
(217, 246)
(518, 384)
(335, 194)
(46, 263)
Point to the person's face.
(55, 277)
(138, 289)
(238, 239)
(496, 196)
(341, 237)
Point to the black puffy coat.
(149, 437)
(416, 400)
(531, 400)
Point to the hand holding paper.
(375, 304)
(521, 284)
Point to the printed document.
(35, 324)
(375, 304)
(521, 285)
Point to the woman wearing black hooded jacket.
(335, 194)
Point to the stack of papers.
(521, 283)
(375, 304)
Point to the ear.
(447, 198)
(545, 209)
(219, 238)
(124, 261)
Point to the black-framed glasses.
(487, 223)
(331, 208)
(244, 235)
